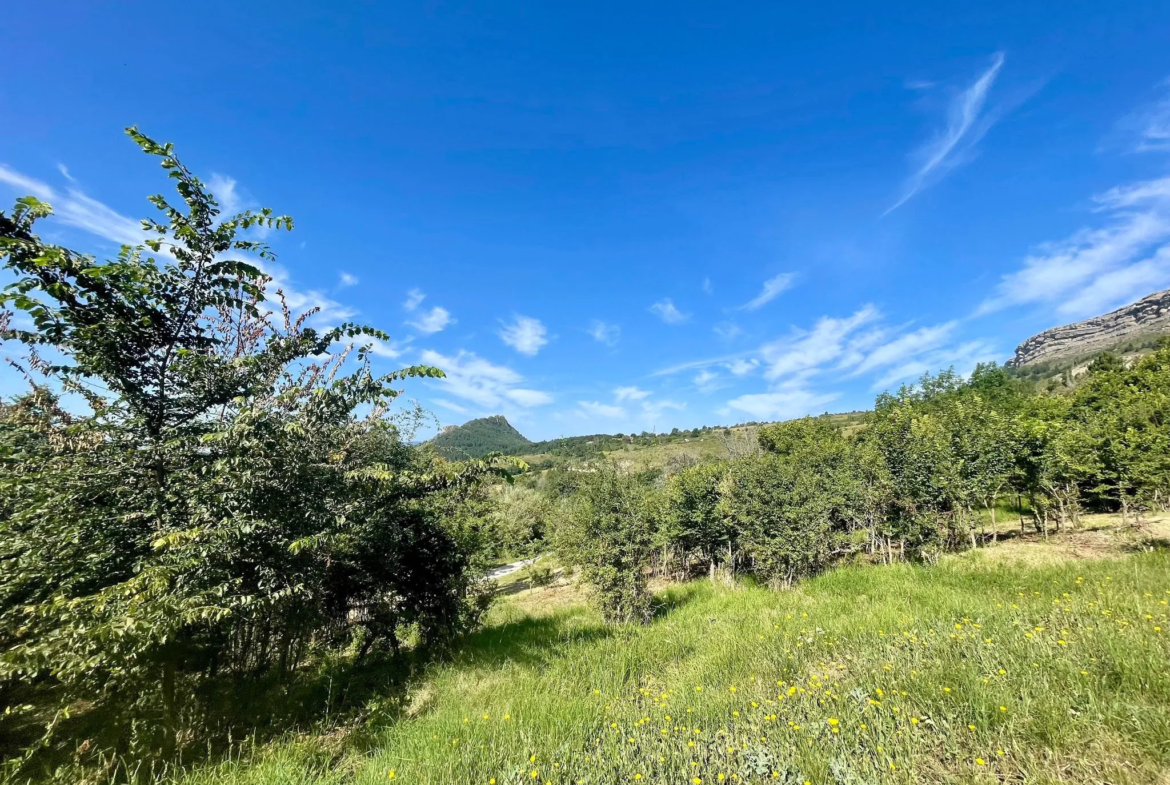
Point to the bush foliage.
(233, 498)
(925, 473)
(606, 531)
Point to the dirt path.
(508, 569)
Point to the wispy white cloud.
(1123, 285)
(490, 387)
(27, 186)
(1148, 129)
(918, 84)
(966, 125)
(773, 288)
(525, 335)
(630, 394)
(347, 279)
(962, 357)
(74, 208)
(904, 346)
(796, 368)
(1099, 268)
(604, 332)
(389, 349)
(667, 312)
(528, 398)
(654, 409)
(414, 298)
(707, 287)
(64, 170)
(834, 348)
(646, 409)
(694, 365)
(597, 409)
(450, 405)
(782, 404)
(329, 311)
(742, 367)
(233, 199)
(432, 321)
(708, 380)
(814, 349)
(224, 188)
(727, 330)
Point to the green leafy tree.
(234, 498)
(1123, 415)
(782, 516)
(1106, 363)
(916, 446)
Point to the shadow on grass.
(530, 641)
(344, 702)
(675, 597)
(535, 641)
(515, 587)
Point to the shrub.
(814, 497)
(691, 524)
(520, 518)
(607, 533)
(539, 575)
(782, 517)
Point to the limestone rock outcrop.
(1148, 316)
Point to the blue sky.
(603, 217)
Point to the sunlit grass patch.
(973, 670)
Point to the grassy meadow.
(1026, 661)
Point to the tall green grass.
(970, 671)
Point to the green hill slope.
(477, 438)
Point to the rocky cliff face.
(1147, 316)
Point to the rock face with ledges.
(1148, 316)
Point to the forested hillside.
(477, 438)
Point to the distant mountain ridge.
(1133, 328)
(1145, 319)
(477, 438)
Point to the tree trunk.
(170, 715)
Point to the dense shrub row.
(925, 474)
